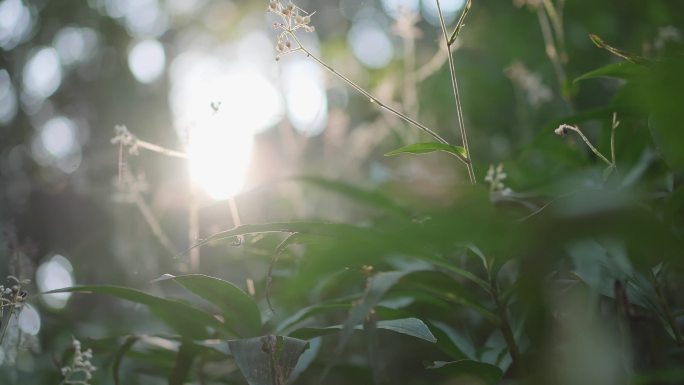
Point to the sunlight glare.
(221, 105)
(220, 152)
(307, 103)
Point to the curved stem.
(374, 100)
(454, 87)
(584, 138)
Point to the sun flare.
(220, 154)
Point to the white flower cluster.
(81, 369)
(495, 177)
(12, 297)
(293, 19)
(125, 138)
(536, 91)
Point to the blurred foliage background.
(586, 260)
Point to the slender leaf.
(423, 148)
(413, 327)
(240, 312)
(183, 318)
(622, 70)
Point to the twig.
(550, 48)
(454, 84)
(460, 24)
(506, 328)
(374, 100)
(235, 216)
(562, 131)
(126, 138)
(147, 214)
(614, 125)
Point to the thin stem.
(614, 125)
(454, 87)
(506, 328)
(374, 100)
(557, 23)
(410, 97)
(460, 24)
(584, 138)
(235, 216)
(148, 215)
(159, 149)
(550, 48)
(193, 228)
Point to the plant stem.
(550, 48)
(159, 149)
(584, 138)
(614, 125)
(460, 24)
(454, 85)
(506, 329)
(374, 100)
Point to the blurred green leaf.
(183, 318)
(423, 148)
(240, 312)
(622, 70)
(372, 198)
(451, 342)
(267, 360)
(464, 369)
(120, 353)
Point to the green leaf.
(371, 198)
(183, 318)
(413, 327)
(120, 353)
(622, 70)
(267, 360)
(409, 326)
(423, 148)
(240, 312)
(379, 285)
(451, 342)
(464, 369)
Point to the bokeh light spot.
(147, 61)
(370, 44)
(29, 320)
(55, 273)
(307, 104)
(8, 98)
(42, 73)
